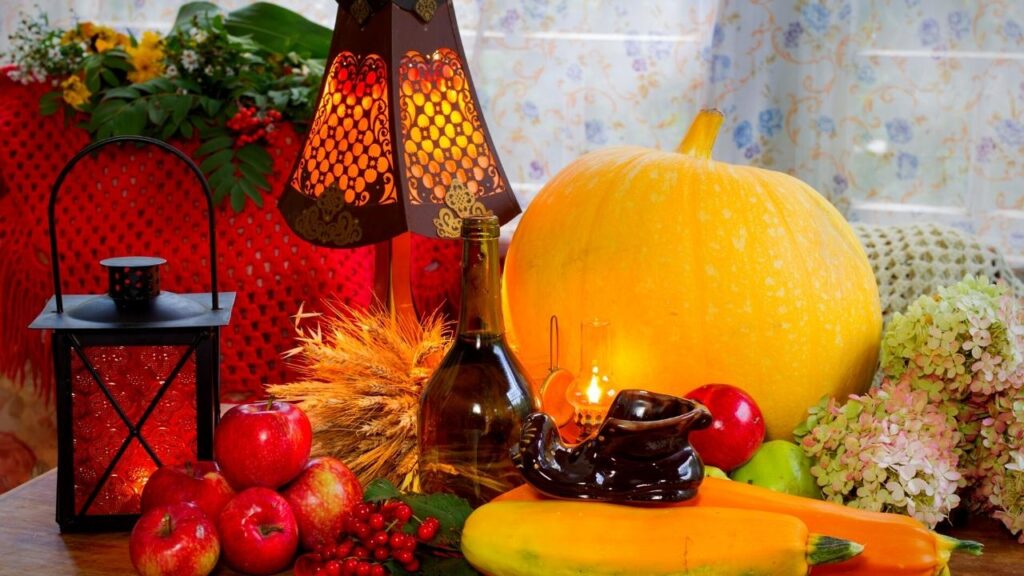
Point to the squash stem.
(956, 545)
(826, 549)
(700, 138)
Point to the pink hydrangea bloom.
(962, 352)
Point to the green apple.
(712, 472)
(781, 466)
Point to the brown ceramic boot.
(640, 454)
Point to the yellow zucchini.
(563, 538)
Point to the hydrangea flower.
(891, 450)
(968, 337)
(961, 350)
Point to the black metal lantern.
(137, 374)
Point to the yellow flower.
(76, 94)
(81, 33)
(87, 29)
(70, 36)
(151, 39)
(98, 38)
(147, 58)
(107, 38)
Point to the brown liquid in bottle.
(474, 405)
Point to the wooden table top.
(30, 542)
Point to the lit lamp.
(137, 376)
(592, 391)
(397, 143)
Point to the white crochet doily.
(913, 260)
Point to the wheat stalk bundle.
(361, 376)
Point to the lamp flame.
(594, 389)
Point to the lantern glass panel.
(441, 128)
(129, 380)
(348, 150)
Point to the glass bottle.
(473, 407)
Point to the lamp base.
(392, 275)
(588, 420)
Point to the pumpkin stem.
(700, 138)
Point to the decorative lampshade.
(137, 377)
(398, 142)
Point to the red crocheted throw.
(140, 201)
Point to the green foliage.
(208, 68)
(273, 27)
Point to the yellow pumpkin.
(706, 271)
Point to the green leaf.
(279, 98)
(216, 160)
(92, 80)
(214, 144)
(256, 156)
(179, 106)
(157, 113)
(255, 175)
(221, 191)
(379, 490)
(251, 191)
(188, 86)
(201, 9)
(155, 85)
(105, 113)
(49, 103)
(123, 92)
(206, 128)
(435, 566)
(237, 197)
(395, 569)
(222, 176)
(109, 77)
(186, 129)
(117, 61)
(280, 30)
(169, 129)
(449, 509)
(210, 105)
(92, 62)
(132, 120)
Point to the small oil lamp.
(592, 391)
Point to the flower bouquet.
(228, 80)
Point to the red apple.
(200, 483)
(321, 497)
(258, 532)
(262, 444)
(177, 539)
(737, 426)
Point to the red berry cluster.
(374, 534)
(252, 125)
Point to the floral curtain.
(896, 110)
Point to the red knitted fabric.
(140, 201)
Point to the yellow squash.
(555, 538)
(707, 272)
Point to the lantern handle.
(55, 261)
